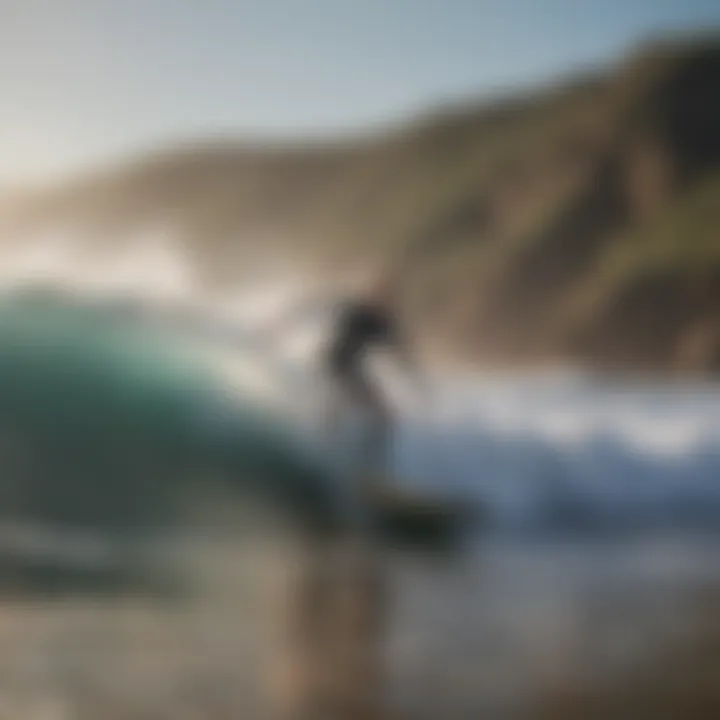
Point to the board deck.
(416, 517)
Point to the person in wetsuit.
(361, 326)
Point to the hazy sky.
(84, 81)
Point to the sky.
(86, 82)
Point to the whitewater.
(556, 448)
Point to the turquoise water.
(109, 421)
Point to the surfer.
(361, 325)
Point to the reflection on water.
(511, 629)
(516, 623)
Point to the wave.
(544, 451)
(551, 449)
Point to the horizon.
(92, 83)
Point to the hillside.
(580, 220)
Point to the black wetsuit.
(359, 327)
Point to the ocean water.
(556, 451)
(537, 450)
(569, 451)
(600, 506)
(597, 553)
(548, 450)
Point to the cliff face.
(582, 220)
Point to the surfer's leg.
(349, 603)
(371, 401)
(339, 409)
(332, 408)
